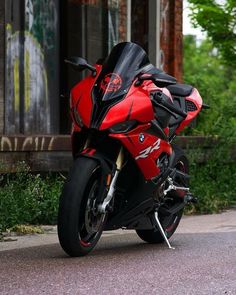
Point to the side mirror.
(160, 79)
(80, 64)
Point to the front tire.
(171, 222)
(79, 224)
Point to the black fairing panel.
(180, 103)
(119, 70)
(161, 115)
(133, 200)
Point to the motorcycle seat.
(180, 89)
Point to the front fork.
(104, 207)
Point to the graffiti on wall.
(35, 80)
(38, 68)
(34, 143)
(28, 143)
(42, 25)
(163, 29)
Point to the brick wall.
(122, 20)
(171, 37)
(2, 74)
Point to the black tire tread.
(69, 205)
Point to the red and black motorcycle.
(127, 173)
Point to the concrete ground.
(204, 262)
(224, 222)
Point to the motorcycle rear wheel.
(171, 222)
(79, 225)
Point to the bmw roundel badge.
(141, 137)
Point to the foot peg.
(159, 226)
(190, 198)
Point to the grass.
(26, 198)
(213, 181)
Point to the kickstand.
(162, 230)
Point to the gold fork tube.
(120, 159)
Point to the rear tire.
(171, 222)
(79, 226)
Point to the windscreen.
(125, 61)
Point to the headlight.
(77, 117)
(123, 127)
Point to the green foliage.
(204, 69)
(26, 229)
(28, 199)
(214, 180)
(219, 21)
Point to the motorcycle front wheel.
(79, 224)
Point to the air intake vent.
(191, 107)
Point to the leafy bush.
(26, 198)
(214, 180)
(216, 82)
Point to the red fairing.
(81, 97)
(151, 87)
(145, 153)
(197, 100)
(135, 106)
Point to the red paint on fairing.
(88, 151)
(131, 141)
(197, 100)
(151, 87)
(135, 106)
(81, 97)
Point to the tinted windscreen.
(125, 61)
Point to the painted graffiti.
(41, 21)
(87, 2)
(164, 18)
(35, 82)
(163, 29)
(34, 58)
(34, 143)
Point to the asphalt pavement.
(203, 262)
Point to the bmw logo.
(141, 137)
